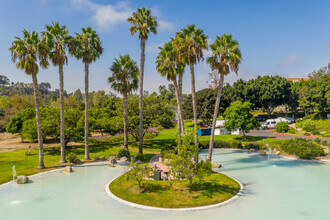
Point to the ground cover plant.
(303, 148)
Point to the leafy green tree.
(282, 127)
(4, 80)
(226, 57)
(87, 47)
(59, 40)
(124, 80)
(190, 43)
(138, 173)
(26, 52)
(238, 116)
(168, 66)
(142, 23)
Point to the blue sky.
(286, 38)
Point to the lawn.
(27, 165)
(214, 189)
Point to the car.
(290, 120)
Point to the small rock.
(262, 153)
(22, 179)
(123, 159)
(124, 163)
(113, 161)
(215, 164)
(102, 158)
(68, 169)
(252, 150)
(112, 156)
(111, 165)
(138, 162)
(277, 152)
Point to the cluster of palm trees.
(187, 48)
(36, 50)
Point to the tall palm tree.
(59, 40)
(87, 47)
(26, 52)
(168, 66)
(143, 23)
(226, 57)
(124, 80)
(190, 43)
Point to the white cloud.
(293, 59)
(153, 47)
(165, 26)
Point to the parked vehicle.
(290, 120)
(271, 123)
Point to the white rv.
(271, 123)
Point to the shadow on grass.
(153, 187)
(211, 188)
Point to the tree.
(167, 66)
(238, 116)
(124, 80)
(59, 40)
(190, 43)
(87, 47)
(138, 173)
(143, 23)
(226, 57)
(4, 80)
(26, 53)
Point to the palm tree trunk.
(179, 110)
(180, 97)
(192, 76)
(62, 138)
(86, 112)
(41, 164)
(125, 122)
(142, 47)
(216, 110)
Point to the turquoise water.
(275, 189)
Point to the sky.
(286, 38)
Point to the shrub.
(204, 144)
(150, 133)
(255, 145)
(302, 148)
(326, 134)
(123, 153)
(72, 158)
(221, 144)
(307, 134)
(309, 126)
(315, 132)
(325, 142)
(282, 127)
(292, 131)
(96, 157)
(167, 151)
(139, 157)
(317, 140)
(236, 144)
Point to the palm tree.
(168, 66)
(226, 57)
(27, 52)
(87, 47)
(59, 40)
(124, 80)
(190, 43)
(142, 22)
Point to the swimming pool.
(275, 188)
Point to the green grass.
(27, 165)
(215, 189)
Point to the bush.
(292, 131)
(307, 134)
(309, 126)
(236, 144)
(282, 127)
(204, 144)
(139, 157)
(326, 134)
(167, 151)
(325, 142)
(255, 145)
(150, 133)
(221, 144)
(96, 157)
(72, 158)
(302, 148)
(123, 153)
(315, 132)
(317, 140)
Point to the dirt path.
(11, 142)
